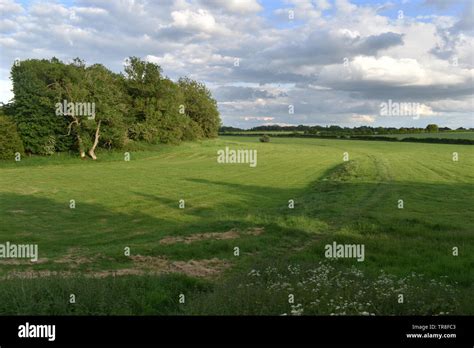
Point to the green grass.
(128, 295)
(135, 204)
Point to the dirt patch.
(149, 262)
(31, 274)
(195, 268)
(201, 268)
(74, 258)
(116, 273)
(19, 262)
(142, 265)
(255, 231)
(232, 234)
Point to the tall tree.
(33, 106)
(200, 106)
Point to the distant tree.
(432, 127)
(265, 138)
(334, 128)
(225, 129)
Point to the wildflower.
(254, 273)
(297, 310)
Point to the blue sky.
(337, 62)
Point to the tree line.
(61, 106)
(338, 130)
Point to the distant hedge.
(362, 137)
(440, 140)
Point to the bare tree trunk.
(81, 147)
(79, 140)
(96, 142)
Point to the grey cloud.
(382, 90)
(466, 23)
(375, 43)
(321, 48)
(233, 93)
(232, 6)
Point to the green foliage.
(33, 106)
(140, 104)
(432, 127)
(106, 91)
(200, 106)
(143, 131)
(10, 141)
(265, 138)
(153, 103)
(192, 131)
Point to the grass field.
(191, 251)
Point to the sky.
(287, 62)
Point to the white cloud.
(362, 119)
(5, 90)
(404, 71)
(235, 6)
(281, 63)
(256, 118)
(323, 4)
(425, 110)
(345, 6)
(9, 7)
(200, 20)
(396, 72)
(49, 9)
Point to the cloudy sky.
(271, 61)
